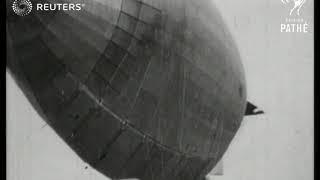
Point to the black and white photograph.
(160, 89)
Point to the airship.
(146, 89)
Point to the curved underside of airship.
(148, 89)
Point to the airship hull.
(145, 89)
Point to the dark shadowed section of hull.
(147, 89)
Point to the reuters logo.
(22, 7)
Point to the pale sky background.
(275, 146)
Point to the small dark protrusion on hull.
(252, 110)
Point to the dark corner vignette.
(3, 89)
(316, 91)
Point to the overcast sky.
(279, 72)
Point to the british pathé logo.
(294, 22)
(24, 7)
(296, 5)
